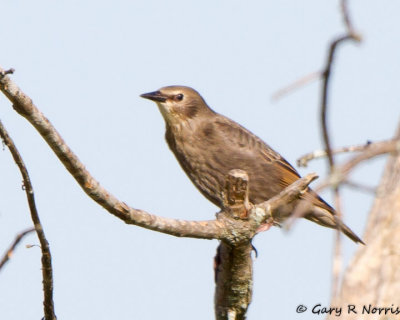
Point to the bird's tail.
(328, 218)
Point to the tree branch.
(233, 263)
(180, 228)
(303, 160)
(340, 173)
(10, 250)
(47, 270)
(325, 90)
(350, 35)
(316, 75)
(347, 21)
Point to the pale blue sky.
(85, 63)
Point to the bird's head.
(178, 104)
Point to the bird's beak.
(155, 96)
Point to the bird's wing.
(241, 138)
(271, 172)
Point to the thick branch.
(233, 263)
(47, 270)
(234, 266)
(234, 280)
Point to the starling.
(208, 145)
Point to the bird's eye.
(179, 97)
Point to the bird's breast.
(196, 155)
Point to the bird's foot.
(264, 227)
(267, 225)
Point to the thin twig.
(303, 160)
(346, 16)
(326, 138)
(347, 21)
(317, 74)
(340, 174)
(325, 91)
(360, 187)
(287, 196)
(351, 35)
(10, 250)
(303, 81)
(47, 270)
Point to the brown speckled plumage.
(208, 145)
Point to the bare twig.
(326, 138)
(265, 210)
(317, 74)
(360, 187)
(325, 91)
(10, 250)
(347, 21)
(351, 35)
(296, 85)
(346, 16)
(340, 174)
(303, 160)
(47, 270)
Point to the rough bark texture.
(234, 281)
(372, 280)
(233, 263)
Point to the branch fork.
(233, 262)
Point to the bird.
(208, 145)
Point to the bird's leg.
(267, 225)
(264, 227)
